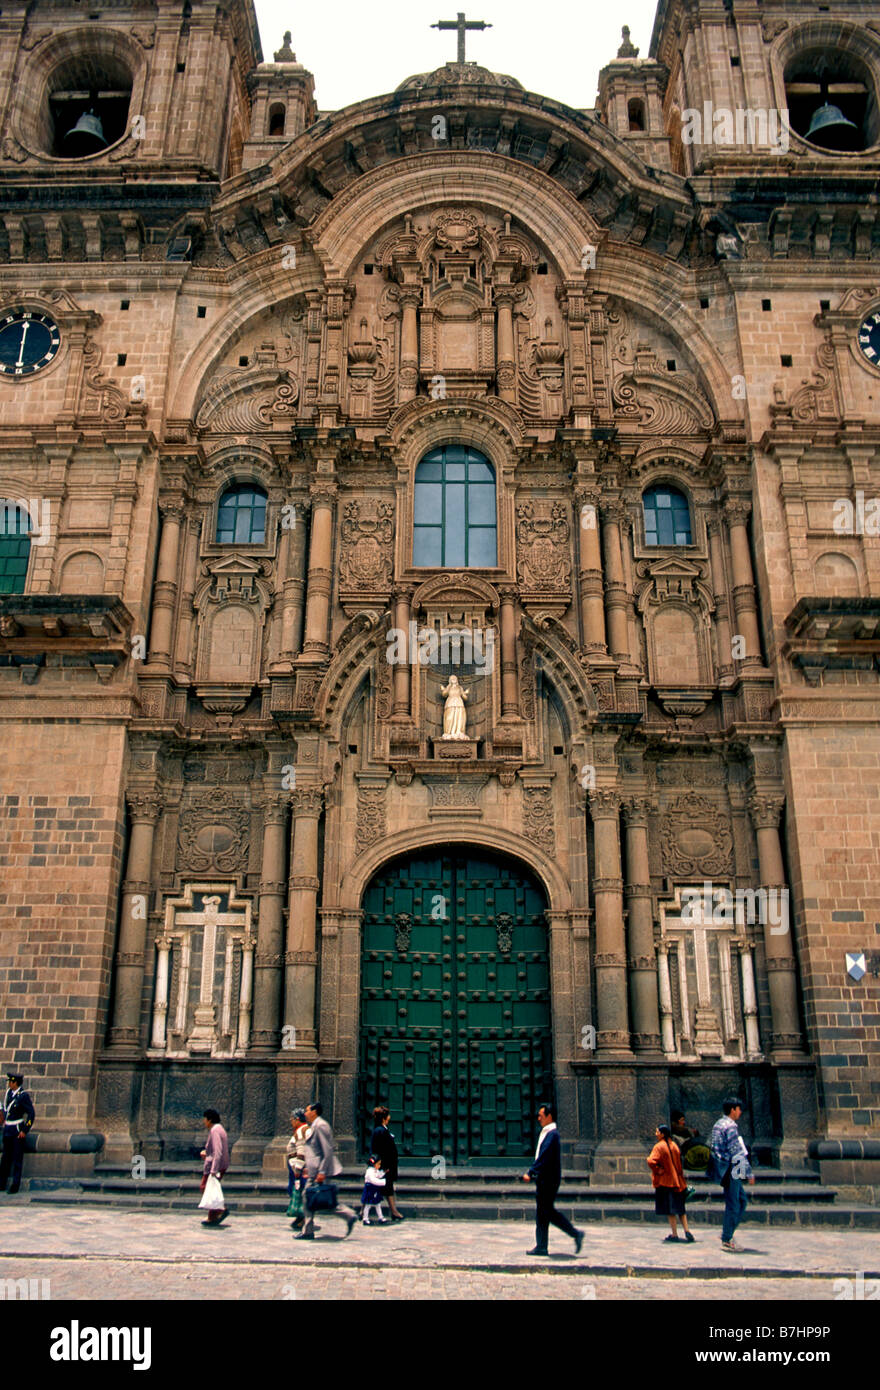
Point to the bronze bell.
(831, 130)
(86, 137)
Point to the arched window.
(455, 520)
(636, 112)
(276, 119)
(241, 518)
(15, 547)
(667, 517)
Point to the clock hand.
(25, 327)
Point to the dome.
(459, 74)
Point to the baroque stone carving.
(543, 551)
(370, 817)
(365, 554)
(538, 822)
(696, 838)
(212, 835)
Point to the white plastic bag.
(212, 1197)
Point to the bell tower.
(125, 90)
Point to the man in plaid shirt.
(731, 1166)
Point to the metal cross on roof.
(462, 25)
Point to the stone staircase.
(780, 1197)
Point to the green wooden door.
(455, 1006)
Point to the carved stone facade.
(221, 675)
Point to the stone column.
(505, 295)
(145, 807)
(409, 300)
(667, 1021)
(291, 567)
(300, 956)
(185, 654)
(401, 684)
(320, 581)
(165, 586)
(786, 1040)
(616, 602)
(749, 999)
(744, 601)
(509, 675)
(610, 957)
(160, 1001)
(640, 929)
(590, 574)
(269, 961)
(722, 602)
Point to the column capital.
(308, 801)
(604, 802)
(636, 810)
(275, 809)
(172, 509)
(765, 810)
(737, 511)
(323, 493)
(508, 594)
(145, 807)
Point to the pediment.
(455, 590)
(234, 564)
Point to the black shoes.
(536, 1251)
(222, 1217)
(578, 1241)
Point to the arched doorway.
(455, 1031)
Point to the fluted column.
(744, 600)
(165, 586)
(401, 679)
(616, 606)
(749, 999)
(320, 581)
(640, 929)
(590, 573)
(409, 300)
(610, 957)
(765, 811)
(160, 1000)
(300, 957)
(722, 602)
(509, 675)
(269, 961)
(145, 807)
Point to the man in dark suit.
(546, 1174)
(17, 1115)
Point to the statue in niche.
(454, 712)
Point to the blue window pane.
(454, 510)
(429, 472)
(480, 473)
(428, 502)
(455, 453)
(243, 526)
(667, 517)
(455, 472)
(482, 548)
(427, 546)
(481, 504)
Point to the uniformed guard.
(18, 1116)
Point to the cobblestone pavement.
(95, 1278)
(123, 1254)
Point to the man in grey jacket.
(321, 1164)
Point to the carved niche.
(543, 555)
(676, 605)
(261, 392)
(365, 565)
(231, 602)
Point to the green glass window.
(15, 548)
(455, 515)
(667, 517)
(241, 518)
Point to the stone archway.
(455, 1021)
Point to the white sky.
(358, 50)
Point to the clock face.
(28, 341)
(869, 338)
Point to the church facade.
(439, 590)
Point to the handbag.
(296, 1201)
(321, 1196)
(689, 1193)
